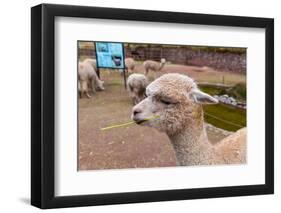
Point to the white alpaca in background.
(130, 64)
(153, 66)
(176, 103)
(87, 78)
(93, 62)
(136, 85)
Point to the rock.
(228, 100)
(232, 99)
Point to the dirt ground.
(200, 74)
(132, 146)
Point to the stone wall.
(225, 61)
(222, 61)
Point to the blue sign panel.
(110, 55)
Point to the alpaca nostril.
(136, 111)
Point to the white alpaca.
(176, 102)
(88, 78)
(93, 62)
(130, 64)
(153, 65)
(136, 85)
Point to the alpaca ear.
(201, 97)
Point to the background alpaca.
(136, 85)
(178, 102)
(93, 62)
(88, 78)
(130, 64)
(153, 65)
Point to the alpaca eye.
(165, 102)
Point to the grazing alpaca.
(130, 64)
(136, 85)
(176, 103)
(87, 77)
(153, 65)
(93, 62)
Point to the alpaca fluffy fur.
(153, 65)
(87, 77)
(93, 62)
(136, 85)
(130, 64)
(177, 103)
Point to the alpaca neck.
(161, 66)
(191, 146)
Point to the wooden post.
(98, 72)
(124, 65)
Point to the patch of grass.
(225, 117)
(212, 90)
(238, 91)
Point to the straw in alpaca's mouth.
(146, 119)
(130, 123)
(141, 121)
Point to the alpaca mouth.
(140, 121)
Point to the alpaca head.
(163, 61)
(99, 85)
(174, 101)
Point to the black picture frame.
(43, 102)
